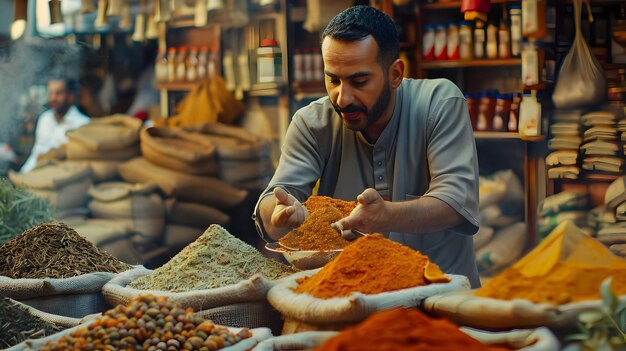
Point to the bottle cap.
(268, 42)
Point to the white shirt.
(50, 134)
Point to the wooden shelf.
(457, 4)
(176, 86)
(267, 89)
(598, 177)
(471, 63)
(496, 135)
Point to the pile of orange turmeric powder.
(404, 329)
(372, 264)
(315, 233)
(568, 266)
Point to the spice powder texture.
(54, 250)
(370, 265)
(315, 202)
(214, 260)
(315, 233)
(404, 329)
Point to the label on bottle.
(530, 66)
(530, 16)
(428, 45)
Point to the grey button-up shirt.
(426, 149)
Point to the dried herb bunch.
(20, 210)
(17, 325)
(54, 250)
(214, 260)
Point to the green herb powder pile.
(214, 260)
(54, 250)
(17, 325)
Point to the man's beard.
(373, 114)
(62, 109)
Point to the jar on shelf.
(534, 19)
(532, 63)
(160, 67)
(473, 103)
(202, 63)
(514, 112)
(269, 61)
(441, 42)
(465, 40)
(504, 40)
(181, 69)
(192, 65)
(492, 41)
(428, 43)
(515, 13)
(479, 40)
(486, 111)
(501, 113)
(171, 65)
(453, 42)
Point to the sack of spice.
(215, 270)
(550, 286)
(112, 138)
(19, 322)
(137, 205)
(409, 329)
(204, 190)
(63, 184)
(52, 268)
(369, 275)
(151, 323)
(176, 149)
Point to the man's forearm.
(266, 208)
(424, 215)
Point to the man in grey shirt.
(403, 148)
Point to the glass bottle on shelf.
(479, 40)
(465, 40)
(501, 113)
(453, 42)
(192, 65)
(514, 112)
(534, 19)
(515, 12)
(171, 65)
(160, 67)
(428, 43)
(492, 41)
(504, 40)
(202, 63)
(181, 68)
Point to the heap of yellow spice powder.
(372, 264)
(566, 267)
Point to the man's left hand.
(369, 216)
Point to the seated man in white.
(53, 123)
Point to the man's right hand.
(288, 211)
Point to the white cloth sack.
(540, 339)
(72, 297)
(113, 236)
(258, 335)
(356, 307)
(464, 308)
(109, 133)
(254, 289)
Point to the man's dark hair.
(70, 84)
(357, 22)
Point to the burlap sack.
(194, 215)
(464, 308)
(237, 171)
(72, 297)
(112, 236)
(233, 143)
(104, 171)
(51, 176)
(204, 190)
(540, 339)
(179, 150)
(179, 236)
(78, 151)
(114, 132)
(254, 314)
(69, 196)
(340, 311)
(258, 335)
(254, 289)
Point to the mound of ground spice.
(404, 329)
(54, 250)
(315, 202)
(315, 233)
(371, 265)
(214, 260)
(567, 266)
(17, 324)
